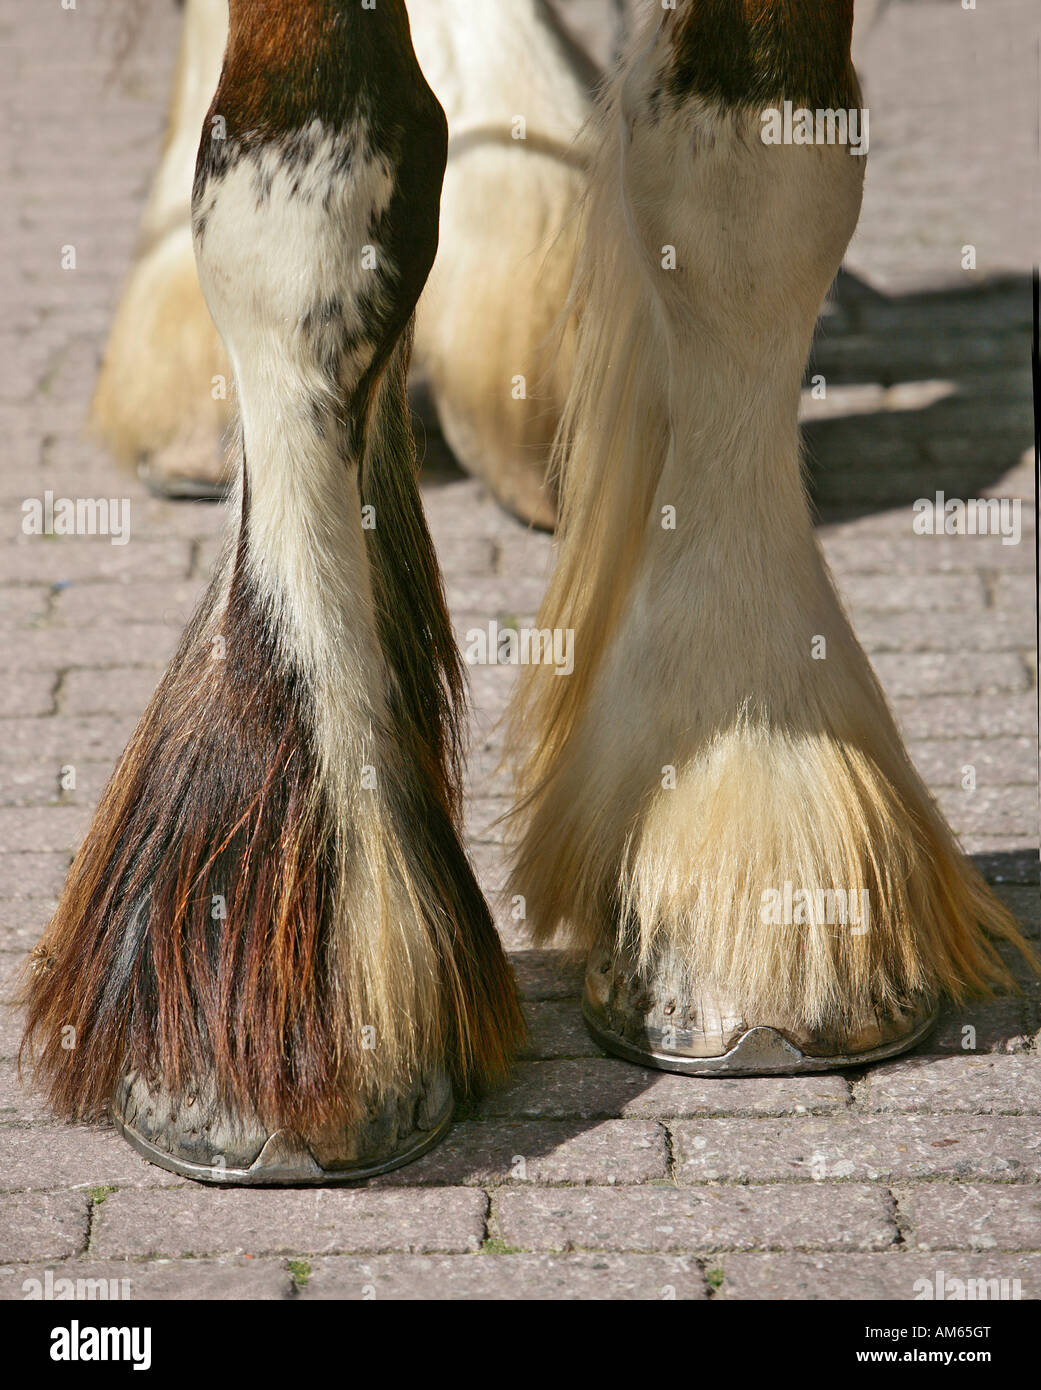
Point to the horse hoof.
(193, 467)
(181, 487)
(650, 1017)
(199, 1138)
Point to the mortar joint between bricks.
(58, 687)
(50, 603)
(708, 1267)
(670, 1153)
(989, 583)
(486, 1229)
(901, 1218)
(96, 1197)
(859, 1082)
(493, 1228)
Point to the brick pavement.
(584, 1177)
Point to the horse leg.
(717, 805)
(516, 93)
(485, 342)
(162, 400)
(271, 951)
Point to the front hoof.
(653, 1018)
(200, 1139)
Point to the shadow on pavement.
(957, 414)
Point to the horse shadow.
(934, 394)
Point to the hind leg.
(163, 397)
(162, 401)
(516, 93)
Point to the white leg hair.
(723, 733)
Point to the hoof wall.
(201, 1141)
(761, 1051)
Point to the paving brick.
(873, 1147)
(483, 818)
(556, 1278)
(201, 1221)
(971, 1085)
(1008, 858)
(971, 1216)
(1025, 905)
(21, 604)
(606, 1088)
(11, 963)
(1016, 592)
(498, 596)
(916, 354)
(486, 773)
(461, 509)
(994, 1025)
(42, 829)
(850, 477)
(22, 921)
(491, 688)
(212, 1280)
(28, 784)
(32, 875)
(168, 604)
(466, 557)
(860, 399)
(10, 1021)
(40, 783)
(1025, 972)
(490, 866)
(1008, 811)
(25, 692)
(548, 974)
(191, 522)
(73, 559)
(929, 594)
(130, 642)
(1018, 868)
(492, 1152)
(556, 1030)
(527, 553)
(19, 1102)
(853, 552)
(42, 1226)
(125, 690)
(980, 633)
(770, 1217)
(512, 934)
(57, 743)
(874, 1278)
(55, 1156)
(996, 762)
(958, 717)
(943, 673)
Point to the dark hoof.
(198, 1139)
